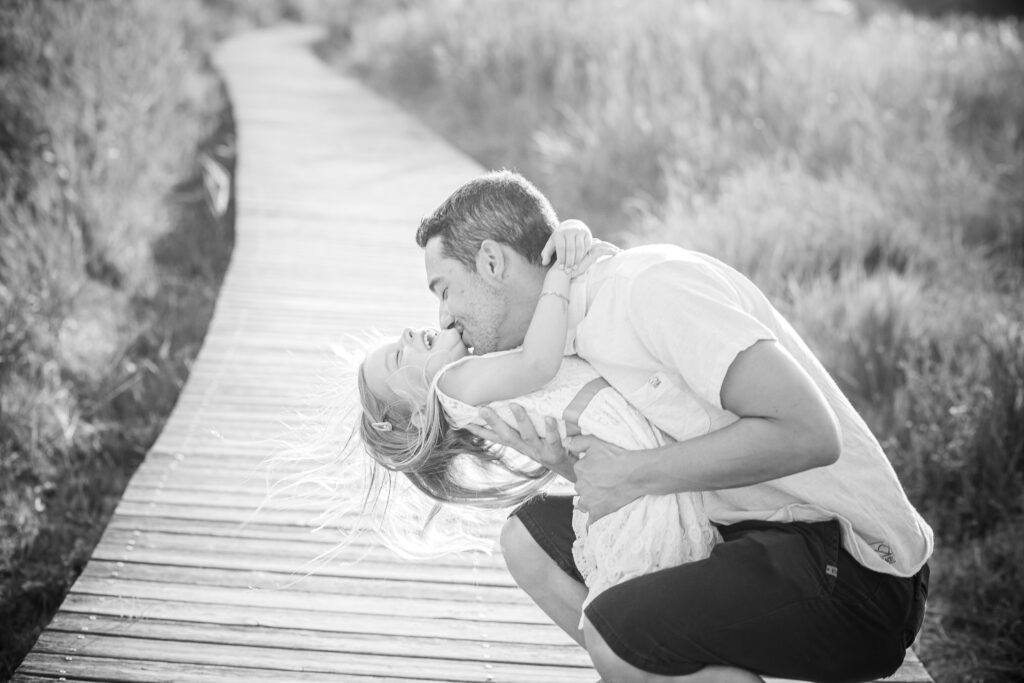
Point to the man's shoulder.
(638, 259)
(662, 261)
(654, 274)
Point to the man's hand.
(547, 451)
(603, 473)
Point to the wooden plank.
(366, 569)
(396, 645)
(59, 667)
(312, 583)
(297, 551)
(282, 659)
(328, 537)
(235, 497)
(206, 527)
(290, 619)
(423, 606)
(215, 513)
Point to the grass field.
(864, 166)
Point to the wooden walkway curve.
(331, 183)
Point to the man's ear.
(491, 261)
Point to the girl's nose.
(407, 334)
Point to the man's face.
(466, 301)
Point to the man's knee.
(609, 665)
(521, 552)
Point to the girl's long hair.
(426, 489)
(448, 465)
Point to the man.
(822, 571)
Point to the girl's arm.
(483, 379)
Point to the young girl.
(421, 390)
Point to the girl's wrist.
(557, 278)
(556, 283)
(558, 295)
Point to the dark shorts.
(777, 599)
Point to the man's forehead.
(439, 267)
(433, 253)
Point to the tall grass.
(110, 259)
(864, 167)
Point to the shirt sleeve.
(692, 318)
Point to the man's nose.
(444, 318)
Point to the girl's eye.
(444, 294)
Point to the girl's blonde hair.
(425, 490)
(450, 466)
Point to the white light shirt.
(663, 325)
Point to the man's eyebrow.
(434, 282)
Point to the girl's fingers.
(482, 432)
(549, 248)
(579, 249)
(569, 254)
(584, 245)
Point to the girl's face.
(404, 368)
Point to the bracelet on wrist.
(561, 296)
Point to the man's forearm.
(749, 451)
(785, 427)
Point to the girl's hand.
(598, 249)
(570, 243)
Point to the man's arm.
(785, 426)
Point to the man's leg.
(776, 599)
(554, 591)
(561, 598)
(537, 545)
(613, 668)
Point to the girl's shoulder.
(572, 368)
(550, 400)
(459, 414)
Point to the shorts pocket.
(831, 536)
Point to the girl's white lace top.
(652, 532)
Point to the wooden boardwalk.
(187, 583)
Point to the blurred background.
(862, 161)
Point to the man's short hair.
(502, 206)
